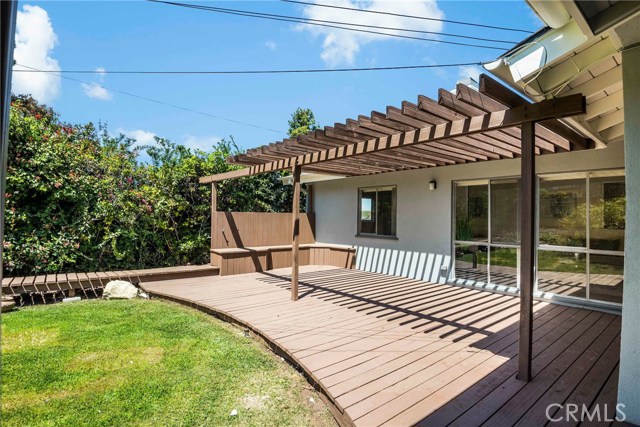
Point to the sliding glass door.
(580, 234)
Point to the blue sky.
(136, 35)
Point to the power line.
(301, 21)
(304, 20)
(409, 16)
(218, 72)
(133, 95)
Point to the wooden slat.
(468, 109)
(226, 175)
(560, 107)
(258, 229)
(492, 89)
(429, 134)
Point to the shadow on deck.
(395, 351)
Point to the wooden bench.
(263, 258)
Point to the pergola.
(467, 126)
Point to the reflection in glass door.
(580, 234)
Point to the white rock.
(312, 400)
(143, 295)
(71, 299)
(234, 413)
(120, 289)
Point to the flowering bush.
(78, 199)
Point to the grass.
(547, 261)
(144, 363)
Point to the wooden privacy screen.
(258, 229)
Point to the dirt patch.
(26, 339)
(254, 402)
(112, 360)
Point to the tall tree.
(302, 121)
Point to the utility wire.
(408, 16)
(214, 72)
(301, 21)
(304, 20)
(133, 95)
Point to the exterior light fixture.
(432, 185)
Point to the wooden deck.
(393, 351)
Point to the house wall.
(424, 217)
(629, 386)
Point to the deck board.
(394, 351)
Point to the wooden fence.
(251, 229)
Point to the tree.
(78, 199)
(302, 121)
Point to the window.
(472, 205)
(563, 211)
(486, 232)
(581, 226)
(377, 211)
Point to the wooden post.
(527, 248)
(295, 225)
(214, 209)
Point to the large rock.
(8, 303)
(120, 289)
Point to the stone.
(8, 304)
(120, 289)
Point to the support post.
(527, 248)
(214, 219)
(295, 226)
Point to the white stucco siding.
(629, 386)
(423, 216)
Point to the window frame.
(394, 189)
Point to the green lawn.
(144, 363)
(547, 261)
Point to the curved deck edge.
(336, 410)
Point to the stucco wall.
(629, 386)
(423, 216)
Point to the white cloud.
(95, 90)
(145, 137)
(271, 45)
(342, 46)
(205, 143)
(142, 137)
(35, 40)
(469, 71)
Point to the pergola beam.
(500, 93)
(449, 100)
